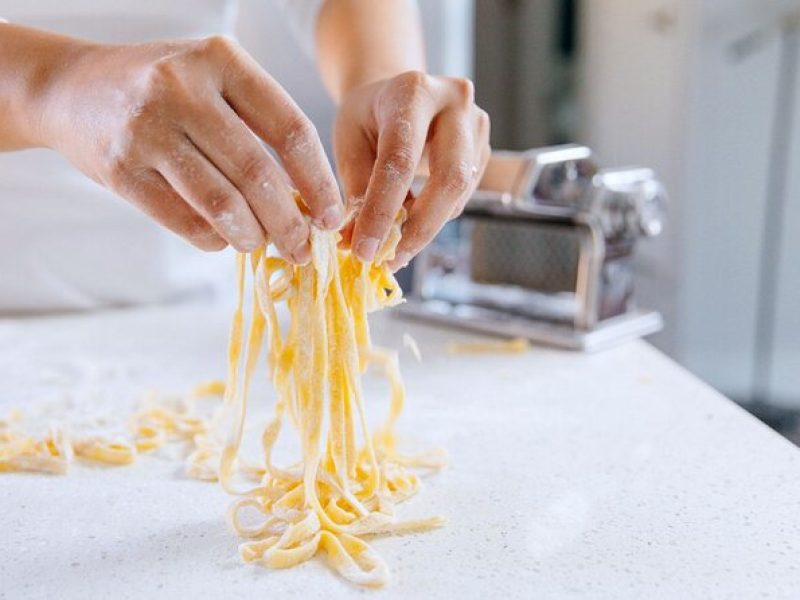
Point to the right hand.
(169, 126)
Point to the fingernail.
(400, 260)
(332, 217)
(302, 254)
(367, 248)
(250, 245)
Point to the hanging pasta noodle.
(347, 485)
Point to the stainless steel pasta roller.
(545, 251)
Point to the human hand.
(384, 132)
(169, 126)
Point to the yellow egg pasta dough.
(348, 479)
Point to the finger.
(401, 141)
(354, 161)
(347, 230)
(227, 142)
(354, 158)
(272, 114)
(451, 163)
(482, 153)
(148, 190)
(208, 191)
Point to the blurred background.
(703, 91)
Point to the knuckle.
(416, 235)
(119, 164)
(464, 89)
(377, 216)
(218, 204)
(412, 87)
(161, 81)
(292, 233)
(413, 80)
(483, 119)
(456, 177)
(135, 184)
(138, 121)
(218, 45)
(298, 134)
(164, 72)
(400, 163)
(253, 169)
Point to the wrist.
(50, 87)
(359, 43)
(33, 68)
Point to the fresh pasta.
(158, 422)
(512, 346)
(345, 485)
(341, 491)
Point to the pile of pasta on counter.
(159, 421)
(347, 481)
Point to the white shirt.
(67, 243)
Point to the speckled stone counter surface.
(614, 475)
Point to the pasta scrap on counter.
(158, 422)
(512, 346)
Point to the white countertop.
(614, 475)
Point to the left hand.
(384, 132)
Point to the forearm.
(30, 62)
(359, 42)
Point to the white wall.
(726, 181)
(784, 380)
(634, 111)
(690, 88)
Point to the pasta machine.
(543, 251)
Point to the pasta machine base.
(634, 324)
